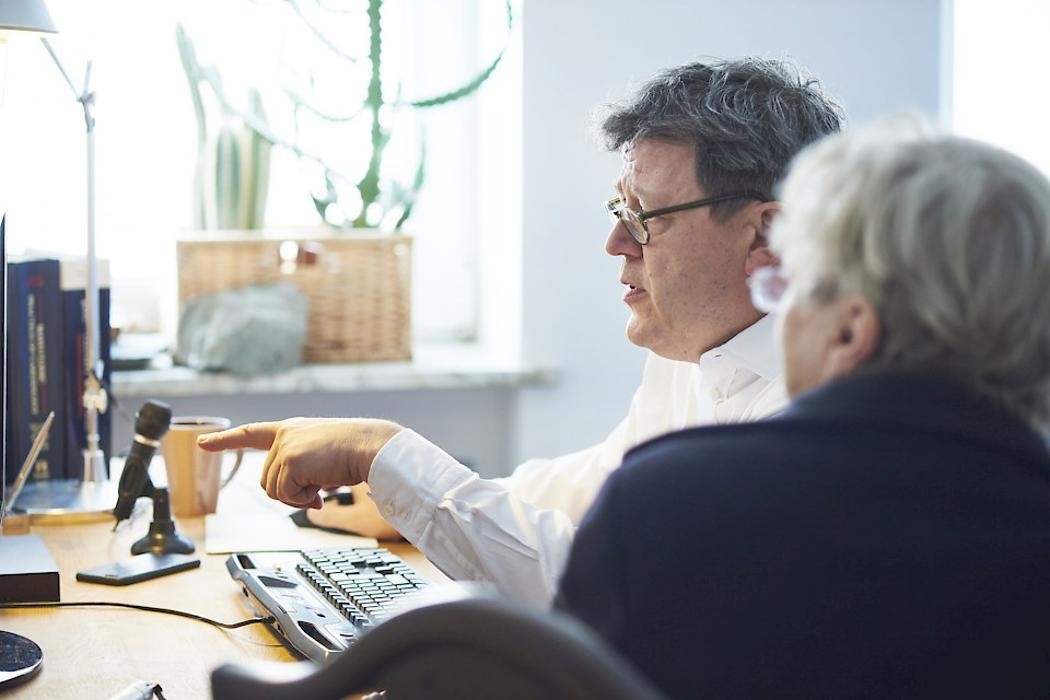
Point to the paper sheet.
(248, 521)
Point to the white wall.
(875, 55)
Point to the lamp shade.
(25, 16)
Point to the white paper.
(248, 521)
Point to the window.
(999, 71)
(146, 141)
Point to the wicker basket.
(358, 286)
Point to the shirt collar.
(753, 348)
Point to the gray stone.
(253, 330)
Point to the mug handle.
(233, 471)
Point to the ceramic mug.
(195, 476)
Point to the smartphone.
(140, 567)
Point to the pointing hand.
(308, 454)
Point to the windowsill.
(434, 366)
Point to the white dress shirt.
(517, 531)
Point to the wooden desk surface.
(97, 652)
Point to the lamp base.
(20, 659)
(67, 501)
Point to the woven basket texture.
(358, 287)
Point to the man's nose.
(621, 242)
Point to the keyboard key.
(361, 584)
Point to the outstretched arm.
(306, 455)
(469, 527)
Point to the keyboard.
(323, 599)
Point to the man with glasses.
(703, 145)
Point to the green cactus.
(234, 186)
(240, 164)
(233, 164)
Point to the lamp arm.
(58, 64)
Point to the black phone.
(138, 568)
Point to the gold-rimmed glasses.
(635, 219)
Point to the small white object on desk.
(139, 690)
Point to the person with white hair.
(888, 534)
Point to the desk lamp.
(20, 658)
(93, 493)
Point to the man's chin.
(646, 338)
(637, 334)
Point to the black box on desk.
(28, 574)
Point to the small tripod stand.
(162, 537)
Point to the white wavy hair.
(949, 238)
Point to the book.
(47, 342)
(35, 373)
(4, 438)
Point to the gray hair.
(948, 238)
(746, 118)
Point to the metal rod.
(94, 461)
(94, 398)
(58, 63)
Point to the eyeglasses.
(634, 220)
(768, 289)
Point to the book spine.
(17, 399)
(36, 376)
(3, 364)
(51, 355)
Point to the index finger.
(255, 435)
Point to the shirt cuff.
(409, 477)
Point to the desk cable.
(139, 690)
(147, 608)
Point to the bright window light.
(999, 75)
(146, 139)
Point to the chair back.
(471, 648)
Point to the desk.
(97, 652)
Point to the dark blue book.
(4, 438)
(35, 371)
(73, 284)
(17, 400)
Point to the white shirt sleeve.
(469, 527)
(517, 531)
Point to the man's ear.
(855, 336)
(759, 253)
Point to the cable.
(147, 608)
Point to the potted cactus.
(233, 165)
(358, 286)
(233, 161)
